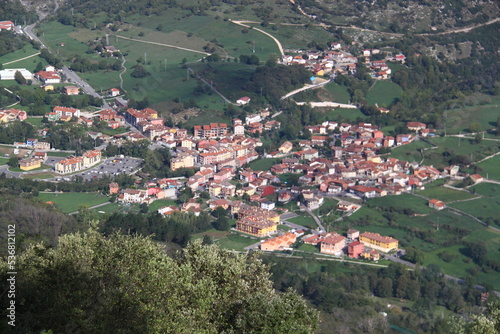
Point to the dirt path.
(121, 73)
(15, 61)
(162, 44)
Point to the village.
(338, 60)
(220, 154)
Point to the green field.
(447, 147)
(404, 201)
(304, 220)
(236, 242)
(484, 208)
(383, 92)
(161, 203)
(343, 114)
(26, 51)
(487, 189)
(264, 164)
(459, 119)
(338, 93)
(491, 168)
(446, 195)
(70, 202)
(410, 152)
(35, 121)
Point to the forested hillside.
(402, 16)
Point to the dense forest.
(13, 10)
(128, 284)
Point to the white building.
(10, 74)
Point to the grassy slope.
(69, 202)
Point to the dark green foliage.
(124, 284)
(278, 80)
(139, 72)
(35, 222)
(16, 132)
(177, 227)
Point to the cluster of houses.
(11, 115)
(38, 155)
(366, 245)
(337, 60)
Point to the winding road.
(242, 23)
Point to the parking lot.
(109, 166)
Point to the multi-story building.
(378, 242)
(333, 244)
(256, 226)
(212, 130)
(30, 163)
(183, 161)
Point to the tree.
(139, 72)
(19, 78)
(144, 208)
(222, 224)
(13, 162)
(127, 284)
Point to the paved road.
(240, 23)
(317, 220)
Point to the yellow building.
(378, 242)
(29, 164)
(186, 161)
(255, 226)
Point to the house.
(415, 126)
(48, 77)
(41, 145)
(354, 249)
(363, 191)
(437, 204)
(352, 234)
(110, 49)
(371, 255)
(40, 155)
(280, 242)
(268, 205)
(476, 178)
(286, 147)
(253, 118)
(6, 25)
(243, 100)
(113, 188)
(333, 244)
(71, 90)
(64, 111)
(378, 242)
(30, 163)
(114, 92)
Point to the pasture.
(383, 93)
(491, 168)
(446, 194)
(459, 118)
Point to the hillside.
(402, 16)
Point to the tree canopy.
(128, 284)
